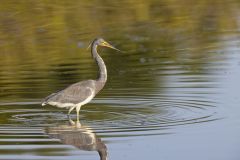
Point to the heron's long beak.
(110, 46)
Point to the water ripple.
(131, 116)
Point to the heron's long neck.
(102, 74)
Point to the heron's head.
(103, 43)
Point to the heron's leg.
(77, 110)
(78, 124)
(70, 110)
(71, 122)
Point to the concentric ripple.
(133, 117)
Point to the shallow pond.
(172, 94)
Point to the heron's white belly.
(62, 105)
(69, 105)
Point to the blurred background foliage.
(48, 38)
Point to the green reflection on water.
(43, 43)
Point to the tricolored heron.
(80, 93)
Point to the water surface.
(173, 93)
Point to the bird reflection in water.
(79, 136)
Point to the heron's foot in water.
(71, 122)
(78, 124)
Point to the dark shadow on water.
(79, 136)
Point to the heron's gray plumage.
(74, 94)
(82, 92)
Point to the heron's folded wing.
(76, 93)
